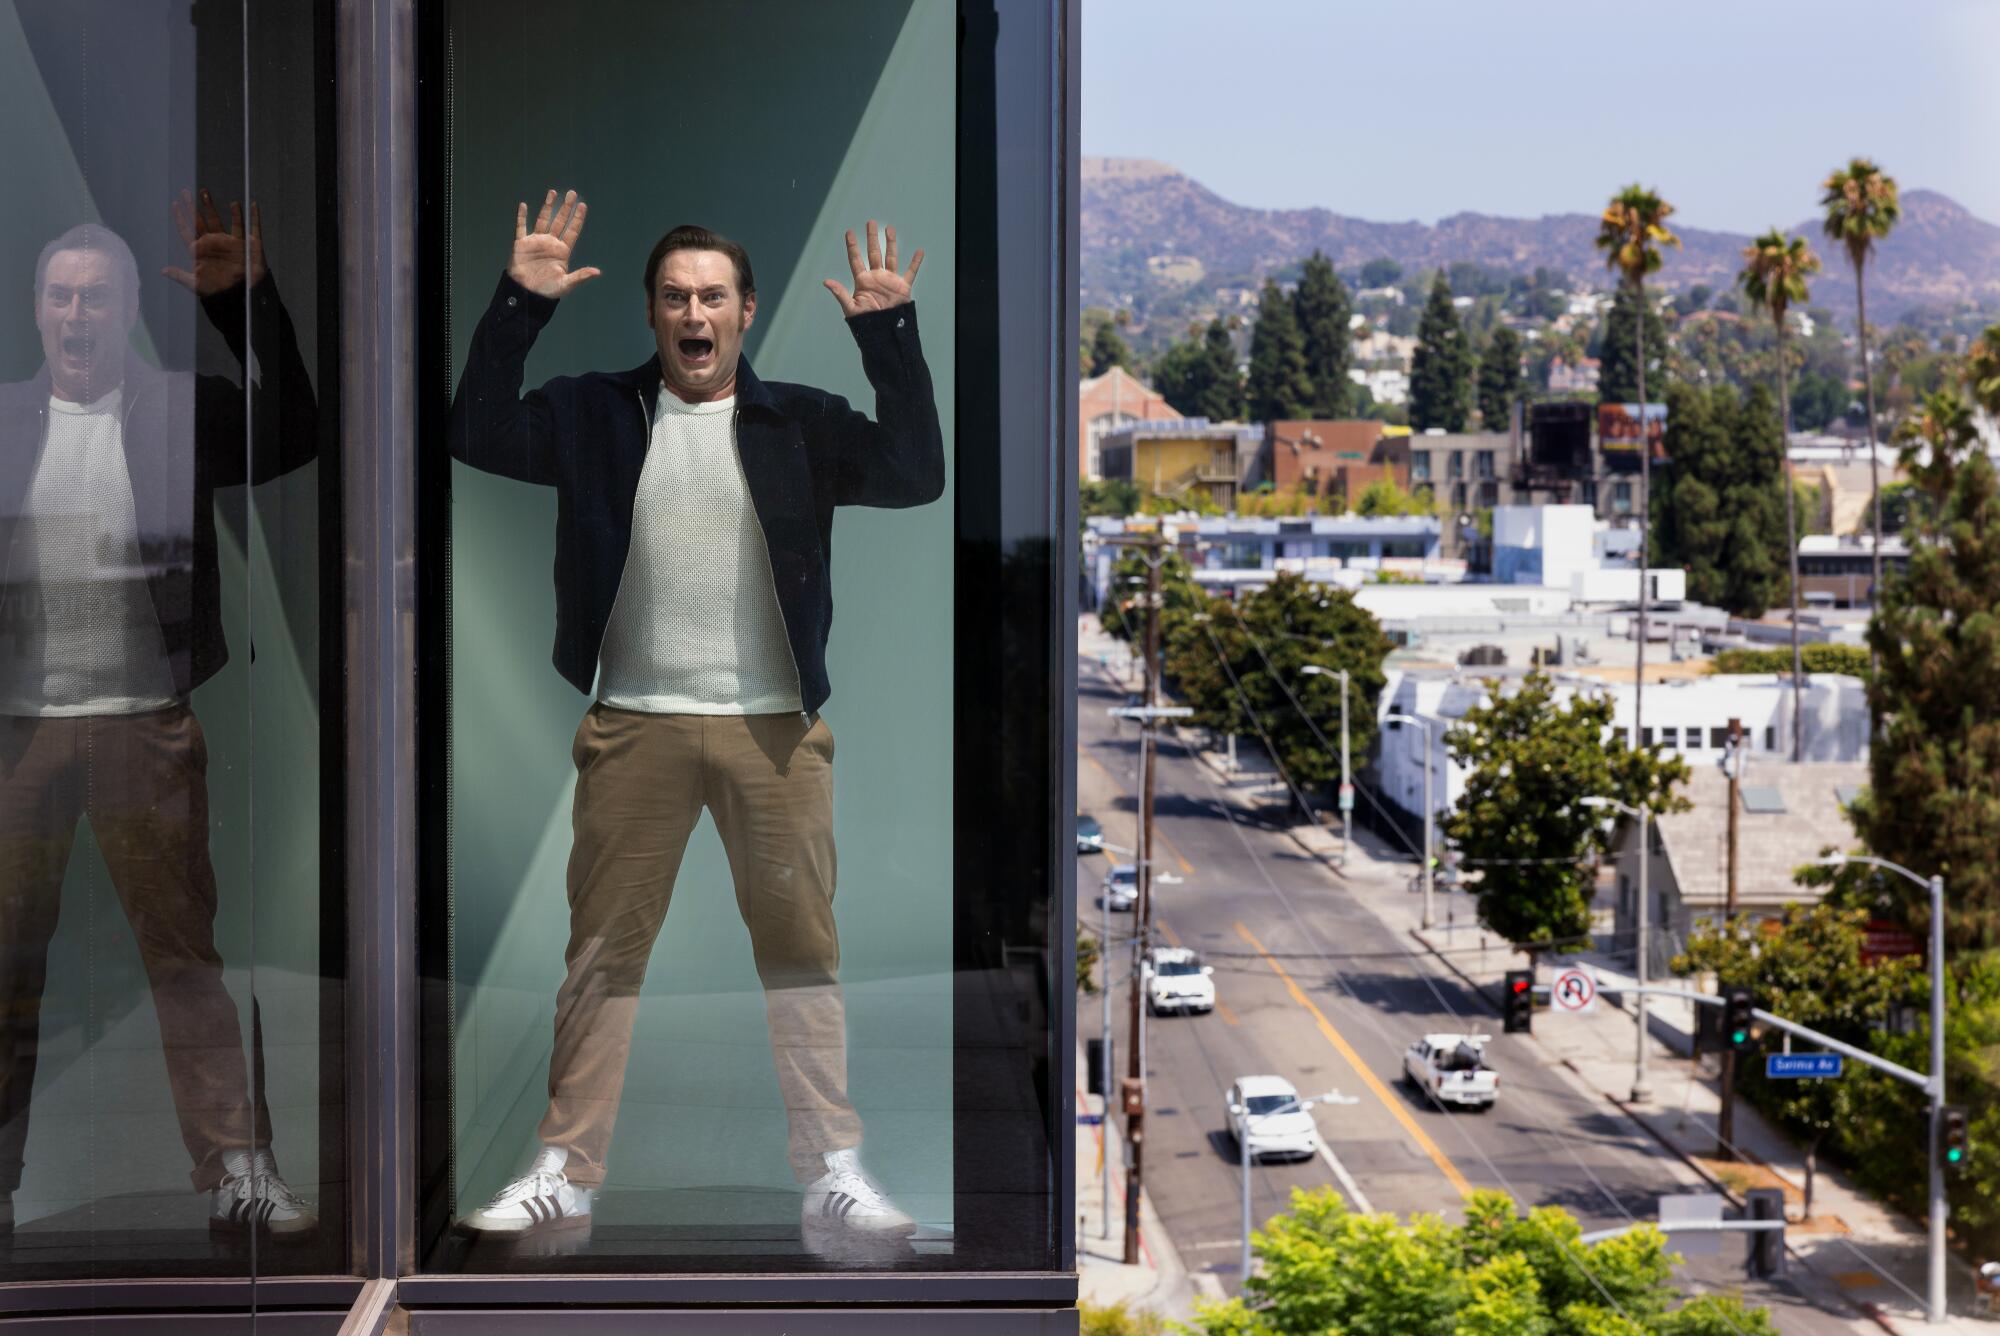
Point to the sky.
(1394, 110)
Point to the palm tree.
(1631, 233)
(1775, 269)
(1861, 206)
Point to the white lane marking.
(1347, 1183)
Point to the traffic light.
(1736, 1007)
(1952, 1147)
(1518, 1002)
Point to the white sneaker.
(540, 1200)
(253, 1196)
(847, 1216)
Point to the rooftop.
(1789, 815)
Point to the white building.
(1386, 384)
(1690, 717)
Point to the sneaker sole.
(841, 1242)
(566, 1225)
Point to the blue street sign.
(1090, 1119)
(1777, 1065)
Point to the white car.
(1266, 1120)
(1120, 887)
(1176, 980)
(1451, 1069)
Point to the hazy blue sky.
(1401, 109)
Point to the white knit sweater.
(695, 628)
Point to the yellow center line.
(1373, 1082)
(1228, 1016)
(1158, 834)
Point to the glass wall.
(671, 599)
(170, 927)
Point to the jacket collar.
(140, 376)
(750, 391)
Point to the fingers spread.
(874, 247)
(889, 250)
(548, 208)
(236, 218)
(916, 262)
(183, 211)
(563, 215)
(840, 293)
(854, 260)
(577, 276)
(256, 221)
(521, 221)
(211, 217)
(575, 228)
(180, 276)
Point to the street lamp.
(1643, 815)
(1430, 811)
(1939, 1207)
(1244, 1116)
(1346, 780)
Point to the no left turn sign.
(1574, 991)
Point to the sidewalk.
(1853, 1247)
(1159, 1283)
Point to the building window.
(1489, 494)
(1670, 737)
(1770, 739)
(1483, 464)
(1586, 492)
(1457, 494)
(1420, 466)
(1454, 464)
(1718, 738)
(1645, 737)
(1621, 497)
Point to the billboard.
(1620, 427)
(1559, 439)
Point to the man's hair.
(689, 237)
(93, 237)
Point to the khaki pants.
(642, 781)
(143, 780)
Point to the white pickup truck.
(1451, 1069)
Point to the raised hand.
(877, 284)
(218, 256)
(541, 257)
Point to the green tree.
(1087, 956)
(1107, 349)
(1933, 801)
(1327, 1269)
(1775, 269)
(1380, 272)
(1279, 388)
(1720, 510)
(1521, 824)
(1384, 497)
(1821, 658)
(1441, 370)
(1500, 382)
(1199, 376)
(1809, 970)
(1124, 612)
(1241, 671)
(1862, 205)
(1108, 496)
(1618, 348)
(1323, 307)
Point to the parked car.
(1451, 1068)
(1089, 835)
(1265, 1119)
(1176, 980)
(1120, 887)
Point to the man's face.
(84, 315)
(698, 321)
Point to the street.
(1312, 986)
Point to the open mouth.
(696, 352)
(78, 346)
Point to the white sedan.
(1120, 887)
(1176, 980)
(1265, 1117)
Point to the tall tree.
(1717, 514)
(1199, 376)
(1324, 308)
(1632, 233)
(1862, 205)
(1441, 370)
(1500, 382)
(1521, 824)
(1279, 388)
(1933, 799)
(1775, 269)
(1617, 345)
(1108, 349)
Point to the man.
(694, 520)
(110, 616)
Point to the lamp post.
(1430, 811)
(1244, 1117)
(1346, 779)
(1940, 1208)
(1643, 815)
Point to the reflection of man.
(110, 615)
(694, 525)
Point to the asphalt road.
(1312, 986)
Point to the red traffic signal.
(1518, 1002)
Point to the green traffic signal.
(1954, 1155)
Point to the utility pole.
(1346, 781)
(1725, 1122)
(1135, 1078)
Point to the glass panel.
(169, 1056)
(762, 1078)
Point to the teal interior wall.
(779, 123)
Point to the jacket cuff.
(511, 299)
(896, 322)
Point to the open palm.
(540, 262)
(878, 285)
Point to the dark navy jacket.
(804, 451)
(185, 435)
